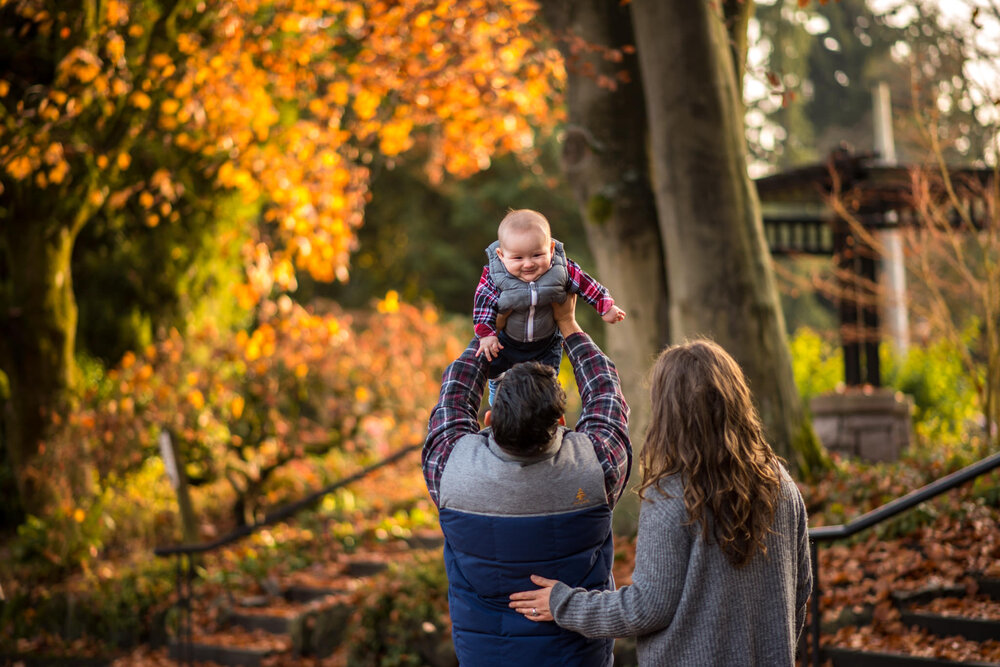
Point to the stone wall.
(873, 425)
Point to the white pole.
(893, 269)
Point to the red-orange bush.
(263, 416)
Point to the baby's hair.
(522, 220)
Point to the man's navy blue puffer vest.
(506, 518)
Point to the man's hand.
(614, 314)
(490, 346)
(565, 316)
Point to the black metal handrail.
(878, 515)
(185, 552)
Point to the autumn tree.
(283, 101)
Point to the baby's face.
(526, 254)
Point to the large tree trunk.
(38, 320)
(605, 157)
(721, 278)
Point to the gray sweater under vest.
(688, 605)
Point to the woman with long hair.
(722, 571)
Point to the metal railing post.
(879, 515)
(814, 549)
(185, 568)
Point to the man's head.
(526, 244)
(527, 409)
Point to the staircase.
(933, 626)
(298, 620)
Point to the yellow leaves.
(19, 167)
(140, 100)
(80, 64)
(79, 515)
(196, 399)
(232, 176)
(116, 12)
(423, 20)
(284, 275)
(395, 137)
(188, 44)
(57, 174)
(366, 104)
(115, 48)
(339, 93)
(162, 61)
(170, 106)
(236, 406)
(390, 304)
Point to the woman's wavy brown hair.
(705, 428)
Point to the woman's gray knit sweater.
(688, 605)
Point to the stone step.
(364, 568)
(308, 593)
(924, 595)
(974, 629)
(841, 657)
(989, 586)
(276, 624)
(35, 660)
(231, 656)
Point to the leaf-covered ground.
(940, 544)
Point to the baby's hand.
(615, 314)
(490, 346)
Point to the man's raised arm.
(456, 413)
(605, 413)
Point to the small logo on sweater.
(581, 497)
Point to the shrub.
(404, 618)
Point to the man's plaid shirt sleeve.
(484, 308)
(455, 415)
(593, 292)
(604, 417)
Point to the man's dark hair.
(526, 408)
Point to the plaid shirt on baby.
(604, 417)
(484, 310)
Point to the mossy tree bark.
(721, 279)
(38, 319)
(605, 158)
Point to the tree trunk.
(38, 332)
(606, 164)
(721, 279)
(605, 158)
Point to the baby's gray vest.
(530, 303)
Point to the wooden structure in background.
(863, 420)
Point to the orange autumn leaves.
(286, 101)
(285, 396)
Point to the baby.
(528, 271)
